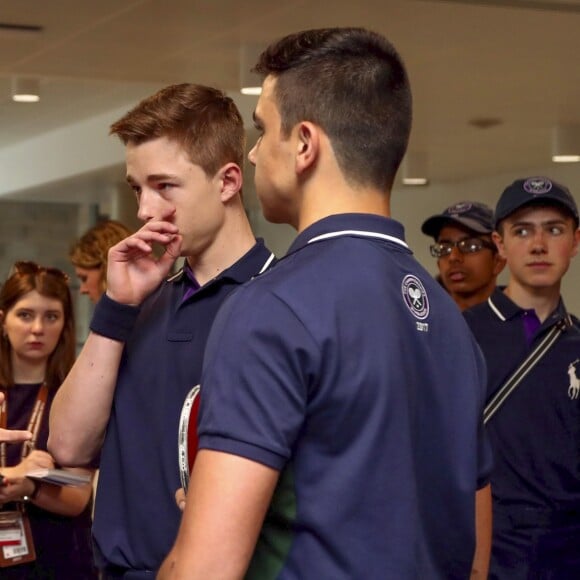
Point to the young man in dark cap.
(535, 431)
(467, 258)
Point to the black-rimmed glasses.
(465, 246)
(27, 267)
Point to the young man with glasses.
(467, 258)
(535, 432)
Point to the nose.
(38, 325)
(152, 206)
(252, 155)
(539, 242)
(456, 255)
(145, 211)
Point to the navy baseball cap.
(472, 215)
(534, 190)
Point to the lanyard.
(525, 367)
(33, 423)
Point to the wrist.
(34, 489)
(113, 319)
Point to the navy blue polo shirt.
(136, 519)
(535, 435)
(352, 372)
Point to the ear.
(307, 146)
(499, 263)
(498, 241)
(230, 181)
(576, 242)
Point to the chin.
(276, 216)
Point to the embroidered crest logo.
(574, 388)
(537, 185)
(415, 296)
(458, 208)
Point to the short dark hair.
(204, 120)
(352, 83)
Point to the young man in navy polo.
(467, 259)
(342, 392)
(535, 433)
(184, 151)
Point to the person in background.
(468, 260)
(184, 151)
(89, 256)
(37, 349)
(535, 433)
(340, 426)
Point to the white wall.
(412, 205)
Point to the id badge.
(11, 532)
(16, 544)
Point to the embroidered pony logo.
(574, 388)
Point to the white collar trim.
(358, 233)
(496, 310)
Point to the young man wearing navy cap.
(467, 258)
(340, 424)
(535, 432)
(184, 149)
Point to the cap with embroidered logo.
(472, 215)
(534, 190)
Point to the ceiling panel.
(467, 60)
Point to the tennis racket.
(188, 441)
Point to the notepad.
(59, 477)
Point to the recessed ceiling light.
(12, 29)
(250, 82)
(566, 144)
(251, 90)
(415, 181)
(485, 122)
(25, 90)
(565, 158)
(414, 169)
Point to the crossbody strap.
(527, 365)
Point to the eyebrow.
(33, 310)
(465, 237)
(541, 224)
(154, 178)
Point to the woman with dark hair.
(44, 528)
